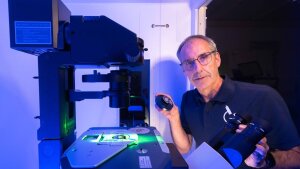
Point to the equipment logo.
(228, 114)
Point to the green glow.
(111, 138)
(68, 126)
(147, 139)
(160, 139)
(67, 123)
(132, 96)
(91, 138)
(119, 137)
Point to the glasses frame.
(192, 62)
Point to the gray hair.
(212, 44)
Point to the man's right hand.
(173, 114)
(182, 141)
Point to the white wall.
(19, 102)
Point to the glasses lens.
(188, 65)
(203, 59)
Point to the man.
(205, 110)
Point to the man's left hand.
(257, 158)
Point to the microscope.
(64, 43)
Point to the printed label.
(33, 32)
(145, 162)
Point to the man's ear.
(218, 59)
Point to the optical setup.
(64, 43)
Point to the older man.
(204, 110)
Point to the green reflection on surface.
(146, 139)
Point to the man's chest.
(207, 119)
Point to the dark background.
(259, 42)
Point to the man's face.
(203, 77)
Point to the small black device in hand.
(164, 102)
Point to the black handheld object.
(228, 130)
(164, 102)
(241, 145)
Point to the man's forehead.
(196, 43)
(193, 47)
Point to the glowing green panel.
(110, 138)
(147, 139)
(91, 138)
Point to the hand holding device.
(164, 102)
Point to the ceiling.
(128, 1)
(194, 4)
(254, 10)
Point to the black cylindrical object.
(241, 145)
(228, 130)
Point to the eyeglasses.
(203, 59)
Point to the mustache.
(198, 75)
